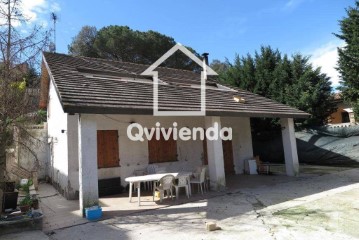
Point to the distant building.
(344, 113)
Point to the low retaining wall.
(20, 224)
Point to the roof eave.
(149, 111)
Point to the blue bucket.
(93, 213)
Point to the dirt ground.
(319, 207)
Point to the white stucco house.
(91, 102)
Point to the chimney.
(205, 57)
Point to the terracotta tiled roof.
(89, 85)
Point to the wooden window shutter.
(168, 150)
(162, 150)
(153, 149)
(100, 149)
(107, 149)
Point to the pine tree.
(122, 43)
(291, 81)
(348, 64)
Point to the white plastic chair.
(200, 180)
(182, 182)
(146, 185)
(206, 177)
(165, 185)
(152, 169)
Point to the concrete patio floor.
(60, 213)
(318, 206)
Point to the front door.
(227, 155)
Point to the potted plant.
(35, 203)
(26, 186)
(94, 212)
(25, 204)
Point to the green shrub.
(26, 201)
(26, 187)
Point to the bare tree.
(18, 51)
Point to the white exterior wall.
(57, 121)
(241, 141)
(290, 147)
(215, 156)
(63, 150)
(87, 145)
(73, 155)
(134, 155)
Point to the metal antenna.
(54, 19)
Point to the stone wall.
(29, 153)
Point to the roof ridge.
(217, 81)
(111, 66)
(118, 61)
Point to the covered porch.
(61, 213)
(224, 158)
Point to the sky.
(219, 27)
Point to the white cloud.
(32, 8)
(326, 57)
(36, 11)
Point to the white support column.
(290, 147)
(215, 156)
(88, 178)
(242, 144)
(73, 155)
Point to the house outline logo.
(207, 71)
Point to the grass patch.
(301, 212)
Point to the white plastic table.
(150, 178)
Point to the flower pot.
(24, 208)
(35, 203)
(93, 213)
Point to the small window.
(162, 150)
(107, 149)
